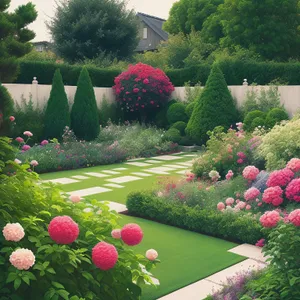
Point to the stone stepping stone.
(123, 179)
(114, 185)
(118, 207)
(110, 172)
(142, 174)
(174, 166)
(120, 169)
(187, 164)
(165, 157)
(160, 170)
(136, 159)
(99, 175)
(183, 172)
(190, 155)
(138, 164)
(179, 153)
(63, 180)
(249, 251)
(80, 177)
(153, 162)
(90, 191)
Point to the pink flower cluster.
(13, 232)
(229, 175)
(260, 243)
(229, 201)
(104, 256)
(292, 191)
(190, 176)
(280, 178)
(294, 165)
(132, 234)
(250, 173)
(294, 217)
(270, 219)
(273, 195)
(22, 259)
(251, 194)
(242, 155)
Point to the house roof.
(155, 24)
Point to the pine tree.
(84, 114)
(6, 110)
(57, 115)
(214, 107)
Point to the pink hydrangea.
(229, 201)
(220, 206)
(13, 232)
(292, 191)
(75, 198)
(241, 205)
(251, 194)
(229, 175)
(104, 256)
(132, 234)
(250, 173)
(20, 140)
(273, 195)
(152, 254)
(116, 234)
(28, 133)
(22, 259)
(294, 217)
(44, 142)
(270, 218)
(26, 147)
(294, 165)
(280, 178)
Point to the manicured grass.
(116, 195)
(186, 256)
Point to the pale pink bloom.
(17, 161)
(294, 165)
(34, 163)
(241, 204)
(151, 254)
(160, 194)
(116, 234)
(28, 133)
(259, 204)
(240, 161)
(251, 194)
(220, 206)
(12, 118)
(229, 201)
(75, 198)
(248, 207)
(26, 147)
(13, 232)
(22, 259)
(44, 142)
(20, 140)
(270, 218)
(250, 172)
(229, 175)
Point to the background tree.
(57, 115)
(14, 37)
(6, 110)
(84, 113)
(86, 29)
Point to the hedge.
(229, 226)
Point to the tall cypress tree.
(57, 115)
(214, 107)
(84, 114)
(6, 110)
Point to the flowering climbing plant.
(142, 88)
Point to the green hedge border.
(228, 226)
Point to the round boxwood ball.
(257, 122)
(276, 115)
(173, 135)
(251, 116)
(176, 112)
(180, 125)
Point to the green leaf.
(5, 249)
(33, 239)
(26, 280)
(88, 233)
(57, 285)
(51, 270)
(64, 294)
(17, 283)
(11, 277)
(30, 275)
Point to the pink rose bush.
(22, 259)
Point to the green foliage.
(176, 112)
(250, 118)
(180, 125)
(29, 117)
(190, 108)
(83, 29)
(14, 37)
(6, 110)
(258, 121)
(234, 227)
(173, 135)
(276, 115)
(107, 112)
(192, 93)
(186, 141)
(37, 56)
(57, 115)
(215, 107)
(84, 113)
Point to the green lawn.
(185, 256)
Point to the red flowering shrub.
(142, 88)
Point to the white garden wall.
(290, 95)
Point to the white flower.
(17, 161)
(88, 210)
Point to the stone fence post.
(35, 91)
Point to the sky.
(45, 8)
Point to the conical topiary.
(215, 107)
(6, 110)
(57, 115)
(84, 114)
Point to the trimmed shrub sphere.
(173, 135)
(180, 125)
(251, 116)
(176, 112)
(276, 115)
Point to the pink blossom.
(26, 147)
(229, 201)
(260, 243)
(273, 195)
(146, 81)
(270, 218)
(116, 234)
(12, 118)
(44, 142)
(250, 173)
(34, 163)
(259, 204)
(17, 161)
(20, 140)
(251, 194)
(294, 217)
(248, 207)
(229, 149)
(241, 205)
(22, 259)
(240, 161)
(152, 254)
(294, 165)
(28, 133)
(280, 178)
(229, 175)
(239, 125)
(241, 155)
(136, 90)
(293, 190)
(13, 232)
(221, 206)
(75, 198)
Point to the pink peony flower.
(44, 142)
(229, 201)
(273, 195)
(294, 165)
(26, 147)
(22, 259)
(104, 256)
(28, 133)
(220, 206)
(240, 161)
(136, 90)
(294, 217)
(250, 173)
(251, 194)
(75, 198)
(132, 234)
(34, 163)
(116, 234)
(13, 232)
(248, 207)
(260, 243)
(270, 218)
(20, 140)
(241, 205)
(292, 191)
(12, 118)
(280, 178)
(152, 254)
(63, 230)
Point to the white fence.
(289, 95)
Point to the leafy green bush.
(57, 114)
(189, 109)
(176, 112)
(84, 113)
(6, 110)
(180, 125)
(186, 141)
(239, 228)
(251, 116)
(276, 115)
(192, 93)
(107, 112)
(173, 135)
(257, 122)
(160, 118)
(215, 107)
